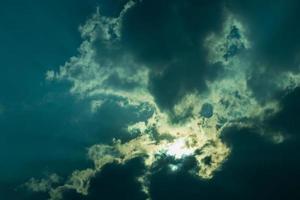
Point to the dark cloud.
(274, 35)
(168, 37)
(256, 168)
(181, 185)
(274, 30)
(114, 182)
(262, 84)
(288, 120)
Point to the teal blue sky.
(36, 116)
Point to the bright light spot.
(173, 168)
(178, 149)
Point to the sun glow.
(179, 149)
(173, 167)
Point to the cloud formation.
(188, 69)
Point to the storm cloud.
(202, 96)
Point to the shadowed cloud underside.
(192, 73)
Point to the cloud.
(168, 37)
(256, 169)
(171, 59)
(274, 31)
(42, 185)
(93, 73)
(287, 119)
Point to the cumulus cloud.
(176, 72)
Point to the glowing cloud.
(232, 103)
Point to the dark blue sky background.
(42, 127)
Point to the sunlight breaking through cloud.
(193, 135)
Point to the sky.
(149, 99)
